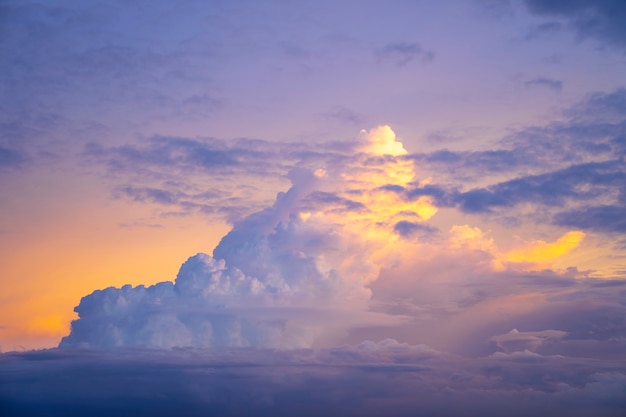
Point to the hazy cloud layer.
(369, 379)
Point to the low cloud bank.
(383, 378)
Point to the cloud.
(577, 182)
(549, 83)
(343, 114)
(540, 251)
(607, 108)
(349, 253)
(407, 229)
(589, 131)
(524, 341)
(570, 171)
(403, 53)
(277, 275)
(603, 20)
(607, 218)
(209, 176)
(369, 379)
(357, 208)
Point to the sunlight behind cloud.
(540, 252)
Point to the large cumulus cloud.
(277, 277)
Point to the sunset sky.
(372, 182)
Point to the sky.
(350, 207)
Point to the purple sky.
(380, 208)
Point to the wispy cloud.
(403, 53)
(549, 83)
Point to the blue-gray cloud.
(208, 175)
(560, 168)
(550, 83)
(601, 218)
(403, 53)
(369, 379)
(578, 182)
(601, 19)
(409, 229)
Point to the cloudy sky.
(420, 196)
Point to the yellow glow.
(534, 255)
(382, 141)
(465, 236)
(365, 181)
(540, 251)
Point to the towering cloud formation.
(277, 277)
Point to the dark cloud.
(408, 229)
(558, 168)
(578, 182)
(606, 219)
(369, 379)
(601, 19)
(549, 83)
(607, 108)
(403, 53)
